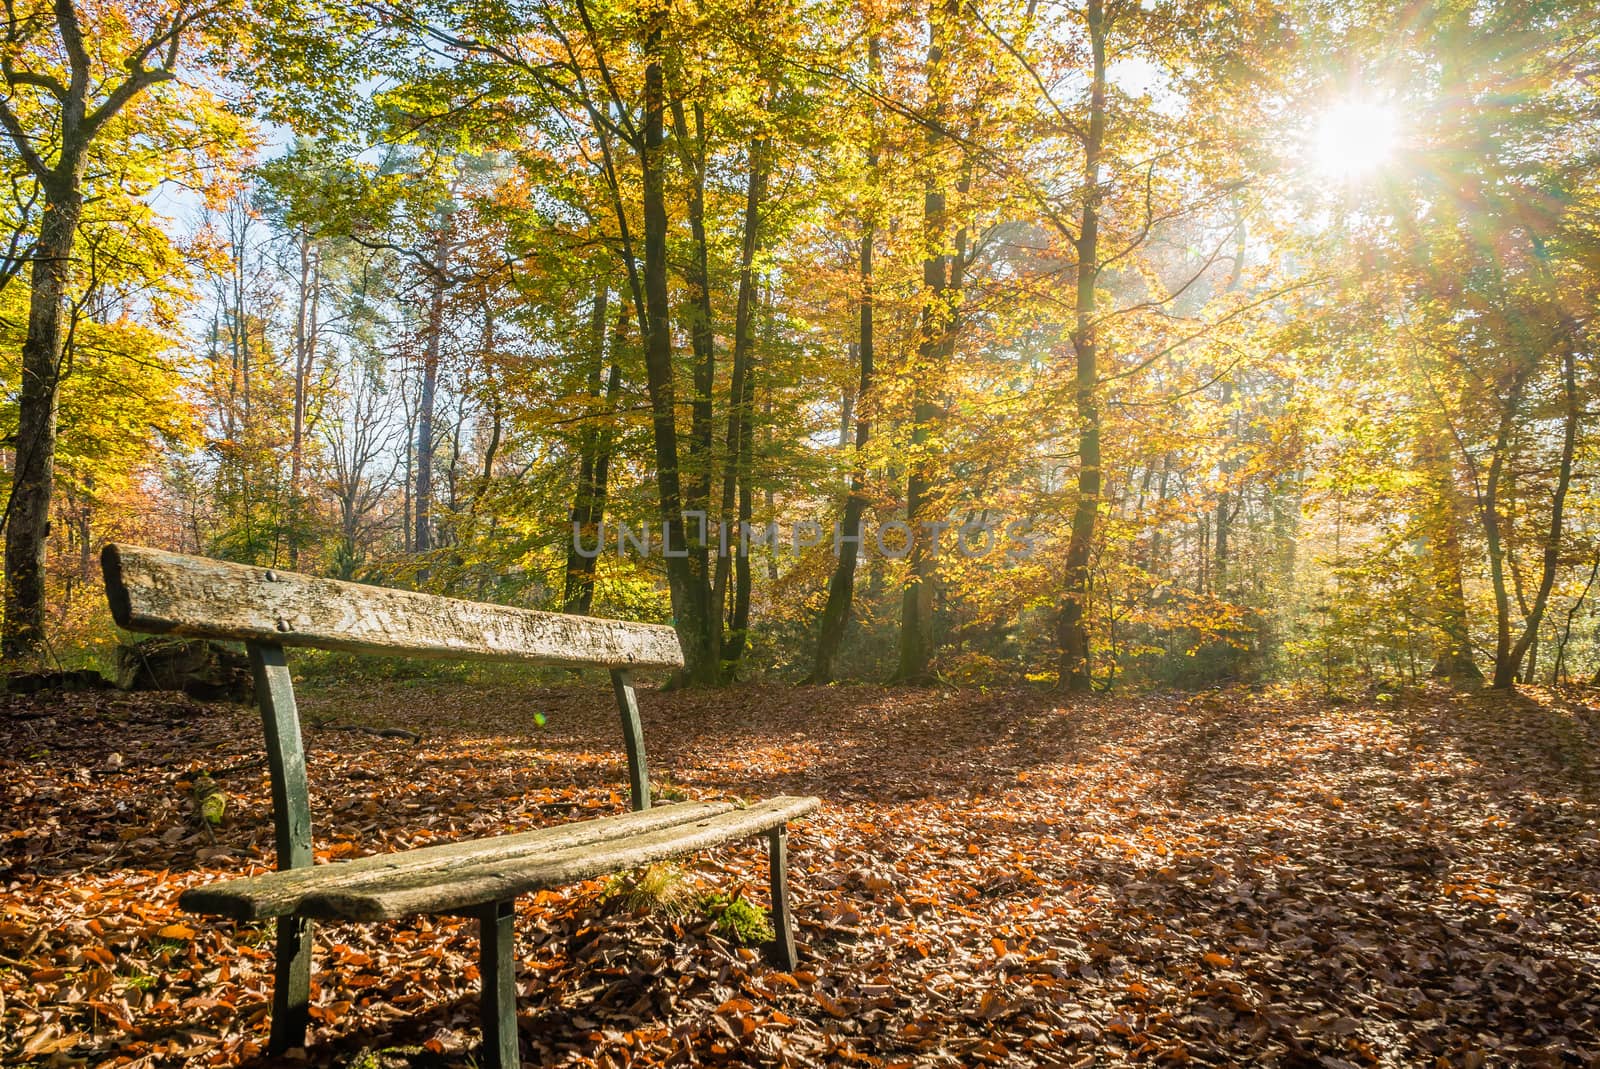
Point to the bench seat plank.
(407, 893)
(282, 893)
(403, 893)
(157, 592)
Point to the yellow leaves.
(180, 932)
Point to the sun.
(1354, 139)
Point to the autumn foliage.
(1229, 878)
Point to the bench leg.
(781, 951)
(497, 972)
(291, 986)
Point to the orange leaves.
(993, 1004)
(330, 1013)
(1169, 884)
(99, 955)
(829, 1006)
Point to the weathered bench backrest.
(170, 593)
(156, 592)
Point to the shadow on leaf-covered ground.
(994, 878)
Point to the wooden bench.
(168, 593)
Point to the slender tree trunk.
(739, 429)
(842, 584)
(1489, 512)
(305, 352)
(33, 482)
(687, 589)
(1224, 512)
(589, 502)
(697, 279)
(1073, 633)
(1453, 660)
(1505, 669)
(422, 497)
(1157, 545)
(743, 578)
(1557, 670)
(936, 329)
(407, 481)
(1226, 495)
(491, 449)
(702, 343)
(847, 402)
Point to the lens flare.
(1354, 139)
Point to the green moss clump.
(739, 919)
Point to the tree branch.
(139, 79)
(72, 38)
(47, 82)
(19, 137)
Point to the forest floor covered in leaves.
(998, 878)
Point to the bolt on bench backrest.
(156, 592)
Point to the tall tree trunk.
(75, 127)
(1226, 495)
(702, 343)
(1157, 557)
(589, 501)
(686, 587)
(422, 498)
(935, 331)
(847, 401)
(1073, 633)
(491, 449)
(1506, 667)
(33, 482)
(732, 651)
(305, 345)
(1489, 513)
(1558, 669)
(697, 279)
(743, 578)
(842, 584)
(1453, 659)
(1224, 513)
